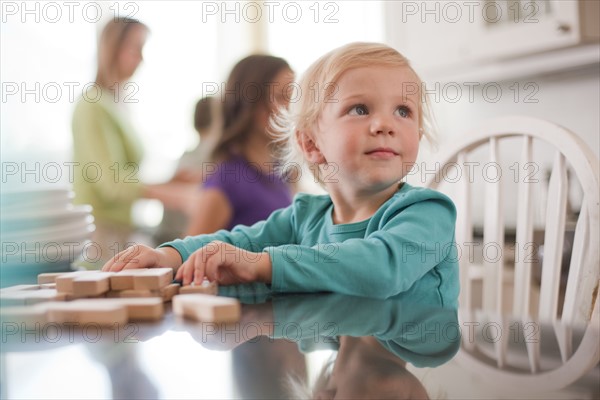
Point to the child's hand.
(225, 264)
(140, 256)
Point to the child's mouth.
(382, 153)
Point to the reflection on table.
(292, 346)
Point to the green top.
(408, 243)
(108, 153)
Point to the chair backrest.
(570, 153)
(574, 303)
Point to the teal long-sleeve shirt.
(408, 243)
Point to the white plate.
(40, 217)
(47, 254)
(34, 196)
(39, 233)
(58, 201)
(73, 235)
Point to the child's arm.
(408, 245)
(240, 250)
(275, 231)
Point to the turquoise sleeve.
(275, 231)
(416, 332)
(387, 262)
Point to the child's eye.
(359, 109)
(404, 111)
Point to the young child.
(357, 122)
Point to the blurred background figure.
(208, 124)
(362, 369)
(106, 145)
(244, 187)
(278, 360)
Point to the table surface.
(332, 346)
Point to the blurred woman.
(105, 144)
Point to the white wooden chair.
(563, 307)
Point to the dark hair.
(248, 88)
(203, 114)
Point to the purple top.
(252, 194)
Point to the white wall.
(475, 71)
(570, 99)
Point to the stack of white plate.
(42, 231)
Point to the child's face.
(368, 132)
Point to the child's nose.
(382, 125)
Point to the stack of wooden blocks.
(106, 298)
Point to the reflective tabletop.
(295, 346)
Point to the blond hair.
(111, 41)
(318, 85)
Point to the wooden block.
(123, 280)
(206, 288)
(33, 317)
(19, 288)
(153, 279)
(169, 291)
(30, 296)
(86, 312)
(149, 309)
(64, 282)
(47, 285)
(49, 277)
(130, 293)
(44, 295)
(91, 284)
(207, 308)
(166, 293)
(146, 309)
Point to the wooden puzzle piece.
(31, 317)
(47, 285)
(86, 312)
(153, 279)
(22, 295)
(205, 288)
(130, 293)
(146, 309)
(19, 288)
(169, 291)
(93, 284)
(49, 277)
(207, 308)
(166, 293)
(64, 282)
(123, 280)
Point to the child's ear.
(309, 148)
